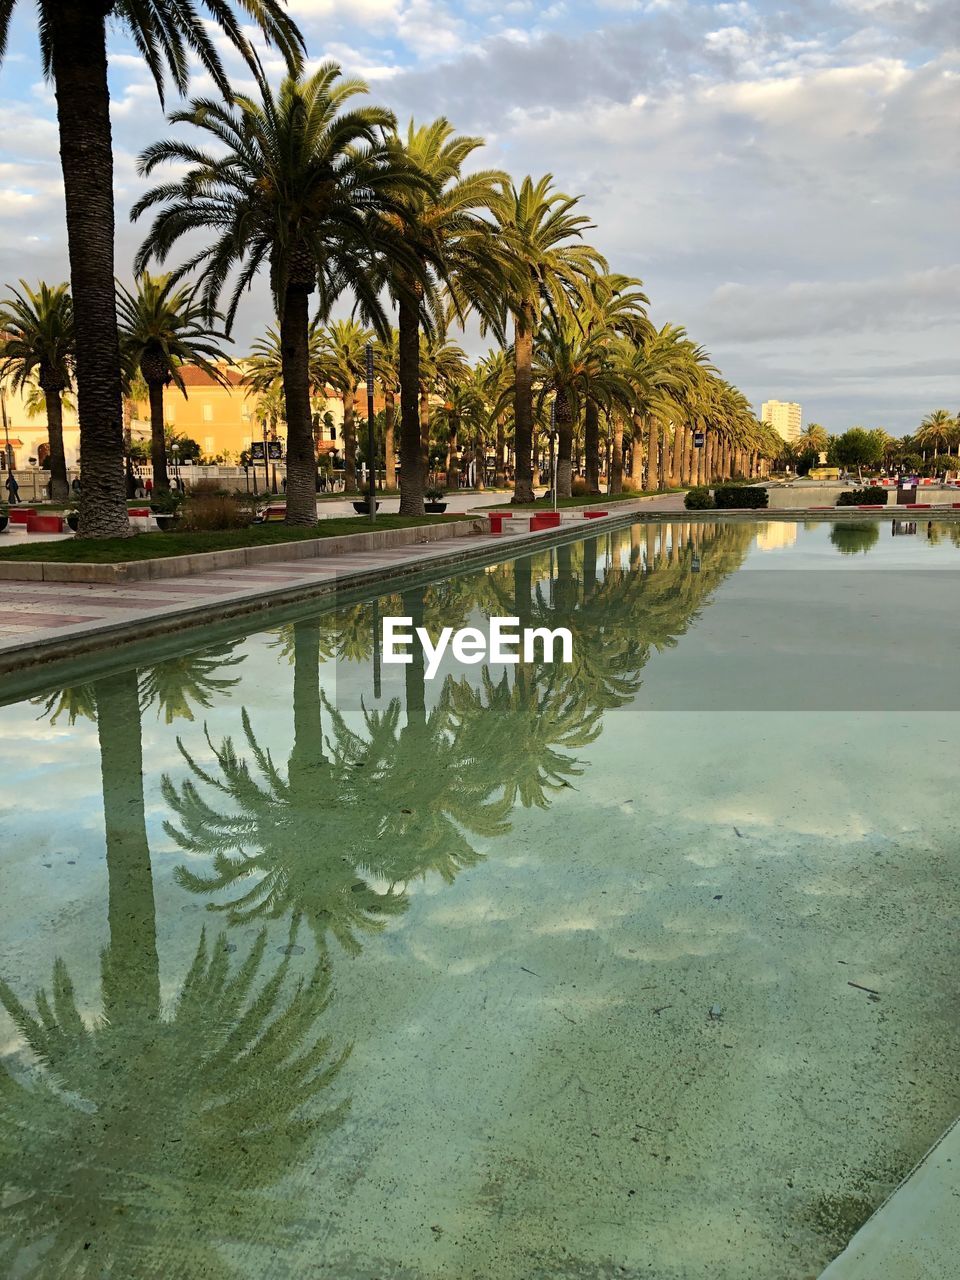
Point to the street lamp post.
(175, 448)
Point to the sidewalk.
(46, 621)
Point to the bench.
(270, 514)
(594, 515)
(545, 520)
(21, 515)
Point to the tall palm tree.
(937, 429)
(813, 439)
(615, 312)
(73, 46)
(572, 364)
(344, 350)
(300, 185)
(448, 241)
(547, 266)
(164, 326)
(37, 341)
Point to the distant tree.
(857, 448)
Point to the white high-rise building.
(784, 416)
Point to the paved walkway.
(35, 616)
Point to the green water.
(310, 968)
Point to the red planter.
(594, 515)
(44, 524)
(21, 515)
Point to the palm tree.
(937, 429)
(446, 240)
(615, 313)
(813, 439)
(546, 268)
(572, 365)
(443, 368)
(344, 351)
(164, 326)
(300, 185)
(495, 369)
(37, 341)
(73, 46)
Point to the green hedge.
(698, 499)
(863, 497)
(728, 497)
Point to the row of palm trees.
(329, 199)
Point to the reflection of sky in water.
(531, 1040)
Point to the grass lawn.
(583, 500)
(153, 546)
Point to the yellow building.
(222, 419)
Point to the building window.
(208, 413)
(209, 444)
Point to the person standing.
(13, 489)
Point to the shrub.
(630, 486)
(862, 497)
(698, 499)
(166, 501)
(433, 493)
(209, 512)
(729, 497)
(208, 489)
(578, 486)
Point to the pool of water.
(642, 967)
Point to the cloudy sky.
(783, 179)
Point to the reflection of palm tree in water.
(140, 1141)
(390, 804)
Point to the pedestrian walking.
(13, 490)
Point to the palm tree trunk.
(158, 445)
(349, 440)
(636, 453)
(663, 468)
(591, 445)
(131, 967)
(499, 475)
(411, 474)
(676, 457)
(564, 419)
(453, 439)
(295, 365)
(653, 456)
(523, 406)
(480, 463)
(77, 32)
(59, 488)
(389, 443)
(616, 460)
(424, 413)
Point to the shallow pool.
(642, 967)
